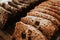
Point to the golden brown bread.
(47, 13)
(51, 8)
(27, 32)
(44, 25)
(10, 8)
(46, 16)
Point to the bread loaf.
(44, 25)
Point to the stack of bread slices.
(40, 23)
(9, 9)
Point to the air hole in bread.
(23, 35)
(30, 32)
(29, 38)
(37, 23)
(13, 38)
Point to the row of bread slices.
(9, 8)
(40, 23)
(16, 5)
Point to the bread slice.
(54, 2)
(16, 2)
(51, 8)
(9, 8)
(44, 25)
(47, 12)
(54, 5)
(27, 32)
(15, 5)
(4, 14)
(43, 15)
(19, 3)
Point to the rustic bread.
(43, 15)
(44, 25)
(10, 8)
(51, 8)
(27, 32)
(47, 12)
